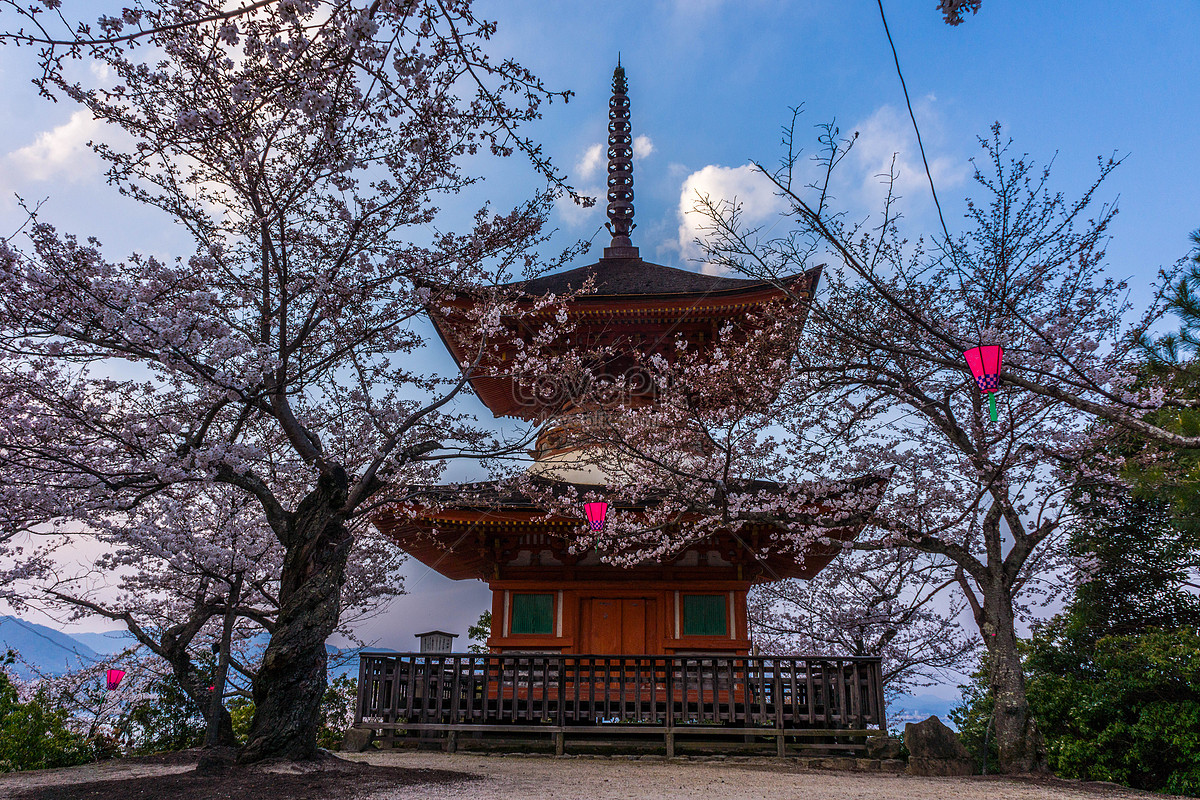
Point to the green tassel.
(992, 406)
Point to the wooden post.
(452, 741)
(394, 705)
(562, 692)
(877, 683)
(470, 698)
(856, 710)
(439, 676)
(362, 689)
(411, 685)
(809, 696)
(670, 708)
(777, 696)
(456, 693)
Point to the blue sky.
(711, 82)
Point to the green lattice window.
(705, 615)
(532, 613)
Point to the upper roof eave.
(653, 284)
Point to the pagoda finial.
(620, 170)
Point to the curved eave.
(500, 393)
(730, 289)
(454, 541)
(443, 546)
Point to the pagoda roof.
(633, 277)
(632, 308)
(485, 530)
(630, 297)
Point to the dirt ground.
(174, 776)
(401, 775)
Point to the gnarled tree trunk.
(291, 683)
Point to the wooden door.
(605, 627)
(633, 626)
(618, 626)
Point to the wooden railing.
(683, 694)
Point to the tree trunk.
(291, 684)
(180, 659)
(217, 715)
(1018, 740)
(223, 736)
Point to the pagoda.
(550, 596)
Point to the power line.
(916, 128)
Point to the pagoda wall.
(641, 617)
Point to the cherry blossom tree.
(197, 584)
(887, 337)
(684, 434)
(881, 603)
(303, 144)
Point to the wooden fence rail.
(652, 694)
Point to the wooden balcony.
(415, 695)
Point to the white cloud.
(61, 152)
(595, 156)
(889, 132)
(592, 164)
(575, 215)
(741, 185)
(642, 146)
(100, 70)
(591, 160)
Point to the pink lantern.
(596, 512)
(114, 678)
(985, 362)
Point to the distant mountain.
(909, 708)
(108, 643)
(53, 652)
(45, 649)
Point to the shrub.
(1132, 717)
(35, 734)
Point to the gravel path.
(546, 778)
(540, 777)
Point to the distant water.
(910, 708)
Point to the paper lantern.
(985, 362)
(114, 678)
(596, 512)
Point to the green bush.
(1129, 714)
(165, 721)
(973, 717)
(337, 711)
(34, 735)
(1124, 709)
(241, 709)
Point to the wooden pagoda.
(547, 598)
(563, 607)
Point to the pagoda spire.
(620, 170)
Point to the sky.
(711, 82)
